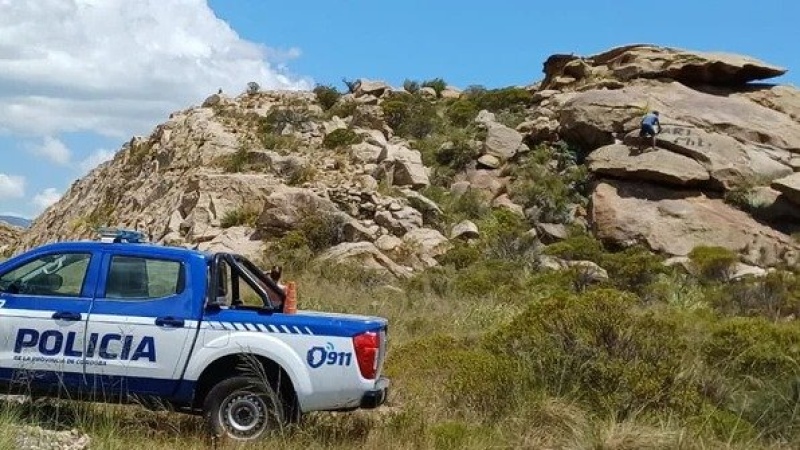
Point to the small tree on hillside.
(253, 87)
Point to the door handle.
(66, 315)
(170, 322)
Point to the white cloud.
(46, 198)
(11, 186)
(54, 150)
(118, 67)
(95, 159)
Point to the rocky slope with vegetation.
(552, 282)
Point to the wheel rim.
(244, 415)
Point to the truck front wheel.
(242, 408)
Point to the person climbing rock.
(648, 127)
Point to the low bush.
(712, 263)
(437, 84)
(775, 296)
(596, 347)
(327, 96)
(547, 187)
(753, 346)
(341, 137)
(510, 98)
(462, 112)
(580, 247)
(410, 115)
(244, 215)
(411, 86)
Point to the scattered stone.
(551, 232)
(504, 202)
(490, 161)
(465, 229)
(366, 255)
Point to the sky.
(78, 78)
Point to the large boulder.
(591, 118)
(501, 141)
(403, 166)
(789, 186)
(785, 99)
(729, 162)
(286, 207)
(689, 67)
(675, 221)
(660, 166)
(239, 240)
(626, 63)
(366, 255)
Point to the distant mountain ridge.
(16, 221)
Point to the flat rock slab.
(661, 166)
(693, 67)
(675, 221)
(591, 117)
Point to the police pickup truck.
(120, 319)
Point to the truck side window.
(140, 278)
(59, 275)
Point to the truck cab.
(206, 333)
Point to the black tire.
(243, 408)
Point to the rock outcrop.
(8, 237)
(240, 173)
(649, 61)
(675, 221)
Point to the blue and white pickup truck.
(205, 333)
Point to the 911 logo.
(328, 356)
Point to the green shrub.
(279, 118)
(581, 247)
(775, 296)
(775, 410)
(755, 347)
(633, 269)
(712, 263)
(410, 115)
(437, 84)
(411, 86)
(279, 142)
(489, 276)
(597, 347)
(451, 370)
(456, 154)
(244, 215)
(499, 99)
(300, 174)
(327, 96)
(343, 109)
(341, 137)
(241, 160)
(550, 190)
(462, 112)
(482, 382)
(461, 255)
(469, 205)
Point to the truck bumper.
(376, 397)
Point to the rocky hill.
(8, 237)
(373, 174)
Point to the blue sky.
(81, 77)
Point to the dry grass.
(413, 418)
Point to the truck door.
(44, 306)
(141, 325)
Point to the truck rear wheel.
(243, 408)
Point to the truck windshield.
(241, 284)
